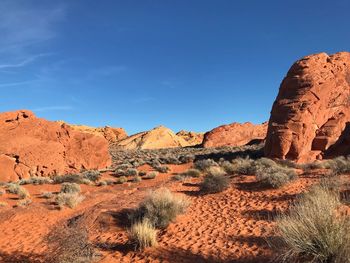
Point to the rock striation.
(31, 146)
(311, 114)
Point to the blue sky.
(185, 64)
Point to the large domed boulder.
(312, 110)
(235, 134)
(31, 146)
(157, 138)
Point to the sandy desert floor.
(232, 226)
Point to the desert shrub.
(178, 177)
(228, 167)
(151, 175)
(3, 204)
(137, 179)
(120, 172)
(187, 158)
(216, 171)
(18, 190)
(243, 166)
(36, 180)
(47, 195)
(161, 168)
(203, 165)
(106, 182)
(289, 164)
(214, 183)
(339, 165)
(70, 188)
(121, 180)
(160, 208)
(192, 173)
(69, 178)
(24, 203)
(131, 172)
(275, 176)
(2, 192)
(70, 200)
(315, 230)
(92, 175)
(264, 163)
(123, 166)
(307, 167)
(142, 234)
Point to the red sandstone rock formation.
(34, 146)
(312, 109)
(235, 134)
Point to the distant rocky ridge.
(235, 134)
(310, 117)
(31, 146)
(111, 134)
(157, 138)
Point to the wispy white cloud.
(23, 25)
(18, 83)
(53, 108)
(22, 63)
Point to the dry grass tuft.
(142, 234)
(315, 230)
(70, 200)
(160, 208)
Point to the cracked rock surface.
(31, 146)
(310, 116)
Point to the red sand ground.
(232, 226)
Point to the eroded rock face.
(109, 133)
(157, 138)
(193, 138)
(30, 146)
(312, 109)
(235, 134)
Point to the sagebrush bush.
(47, 195)
(161, 168)
(178, 177)
(24, 203)
(216, 171)
(244, 166)
(36, 180)
(92, 175)
(131, 172)
(160, 208)
(214, 183)
(70, 200)
(151, 175)
(315, 230)
(70, 178)
(70, 188)
(18, 190)
(121, 180)
(142, 234)
(192, 173)
(137, 179)
(3, 204)
(339, 165)
(275, 176)
(203, 165)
